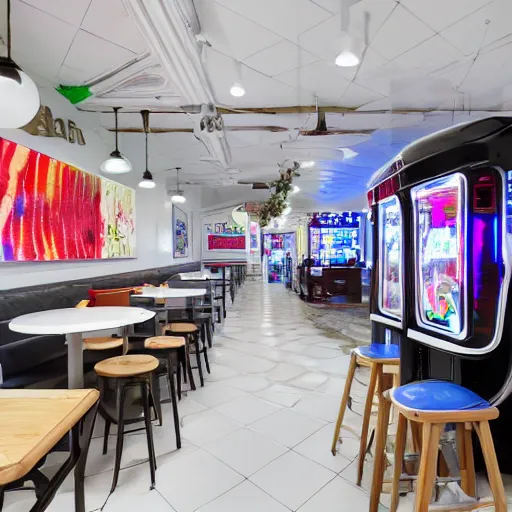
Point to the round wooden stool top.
(104, 343)
(126, 366)
(164, 342)
(185, 327)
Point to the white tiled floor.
(256, 438)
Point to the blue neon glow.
(496, 239)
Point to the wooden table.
(73, 322)
(32, 422)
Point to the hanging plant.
(275, 205)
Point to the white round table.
(73, 322)
(172, 293)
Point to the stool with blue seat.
(375, 356)
(433, 404)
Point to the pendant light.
(347, 58)
(179, 197)
(116, 163)
(19, 97)
(237, 89)
(147, 177)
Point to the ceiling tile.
(260, 90)
(287, 18)
(332, 6)
(321, 78)
(71, 12)
(110, 21)
(433, 54)
(473, 32)
(231, 33)
(400, 32)
(92, 56)
(325, 39)
(282, 57)
(439, 14)
(356, 96)
(35, 50)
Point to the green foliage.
(274, 206)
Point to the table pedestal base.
(75, 361)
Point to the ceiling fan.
(287, 168)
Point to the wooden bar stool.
(374, 356)
(167, 348)
(190, 332)
(117, 376)
(433, 404)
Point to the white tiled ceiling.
(110, 21)
(400, 32)
(73, 42)
(288, 18)
(93, 56)
(422, 54)
(439, 14)
(279, 58)
(231, 33)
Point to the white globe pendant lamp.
(116, 163)
(19, 96)
(147, 177)
(178, 196)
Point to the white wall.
(153, 216)
(212, 217)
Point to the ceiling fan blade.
(152, 130)
(273, 129)
(310, 133)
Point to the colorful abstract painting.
(180, 221)
(50, 210)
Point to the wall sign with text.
(225, 242)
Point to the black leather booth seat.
(28, 360)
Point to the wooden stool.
(433, 404)
(168, 348)
(103, 343)
(374, 356)
(191, 333)
(130, 371)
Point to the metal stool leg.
(106, 433)
(121, 393)
(149, 431)
(174, 399)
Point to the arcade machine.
(334, 239)
(442, 212)
(334, 250)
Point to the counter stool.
(102, 343)
(374, 356)
(125, 373)
(191, 333)
(433, 404)
(167, 349)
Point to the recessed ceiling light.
(295, 189)
(307, 164)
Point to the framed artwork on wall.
(180, 233)
(52, 211)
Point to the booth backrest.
(20, 301)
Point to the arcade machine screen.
(334, 239)
(390, 256)
(440, 217)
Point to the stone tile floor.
(257, 436)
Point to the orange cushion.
(119, 298)
(95, 293)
